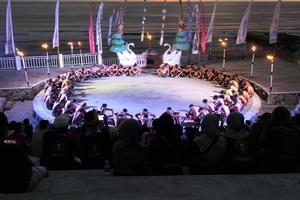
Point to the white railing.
(7, 63)
(13, 63)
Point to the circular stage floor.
(145, 91)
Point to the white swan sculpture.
(127, 58)
(171, 57)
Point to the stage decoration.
(162, 32)
(143, 22)
(196, 40)
(10, 43)
(173, 57)
(91, 33)
(111, 19)
(117, 42)
(181, 40)
(210, 31)
(242, 34)
(99, 33)
(190, 17)
(203, 37)
(55, 40)
(275, 23)
(125, 55)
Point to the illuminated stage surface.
(145, 91)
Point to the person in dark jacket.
(129, 155)
(165, 150)
(241, 146)
(278, 144)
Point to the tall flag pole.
(203, 33)
(10, 43)
(55, 40)
(210, 31)
(91, 33)
(242, 34)
(275, 24)
(111, 19)
(143, 22)
(99, 33)
(162, 32)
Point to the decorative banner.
(143, 22)
(209, 33)
(196, 40)
(111, 19)
(98, 28)
(242, 34)
(10, 42)
(120, 14)
(190, 24)
(91, 35)
(203, 32)
(275, 23)
(55, 40)
(162, 32)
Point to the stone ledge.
(94, 184)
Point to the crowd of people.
(58, 90)
(82, 139)
(238, 90)
(268, 145)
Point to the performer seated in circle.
(176, 71)
(112, 70)
(78, 116)
(135, 70)
(163, 70)
(124, 114)
(145, 117)
(70, 107)
(57, 108)
(174, 115)
(50, 102)
(210, 106)
(188, 71)
(104, 109)
(192, 113)
(202, 112)
(88, 74)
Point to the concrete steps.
(94, 184)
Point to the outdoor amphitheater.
(149, 100)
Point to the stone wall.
(284, 98)
(26, 93)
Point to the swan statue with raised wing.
(127, 57)
(171, 57)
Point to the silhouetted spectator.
(209, 148)
(278, 146)
(165, 150)
(129, 156)
(16, 170)
(241, 145)
(37, 144)
(28, 130)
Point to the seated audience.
(129, 156)
(165, 150)
(18, 174)
(209, 148)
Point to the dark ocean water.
(34, 22)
